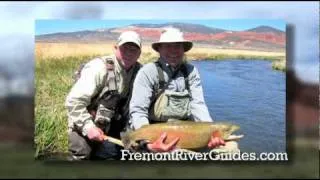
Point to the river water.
(248, 93)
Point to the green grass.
(53, 78)
(279, 64)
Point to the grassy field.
(55, 65)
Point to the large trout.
(192, 135)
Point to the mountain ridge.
(260, 37)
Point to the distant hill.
(79, 36)
(258, 38)
(186, 27)
(266, 29)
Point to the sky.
(54, 26)
(18, 24)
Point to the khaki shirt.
(91, 82)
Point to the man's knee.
(107, 150)
(78, 146)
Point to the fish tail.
(125, 138)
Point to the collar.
(167, 67)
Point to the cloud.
(80, 10)
(17, 55)
(17, 63)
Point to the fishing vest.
(169, 104)
(109, 109)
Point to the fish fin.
(234, 137)
(216, 134)
(175, 121)
(145, 125)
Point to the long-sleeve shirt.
(90, 83)
(146, 83)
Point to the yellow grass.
(60, 50)
(234, 52)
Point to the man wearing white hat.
(98, 102)
(183, 92)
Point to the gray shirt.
(146, 82)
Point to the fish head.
(233, 128)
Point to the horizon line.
(118, 26)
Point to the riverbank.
(277, 58)
(62, 50)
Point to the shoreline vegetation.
(62, 50)
(55, 64)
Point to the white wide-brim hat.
(172, 35)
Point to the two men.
(171, 90)
(97, 104)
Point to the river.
(248, 93)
